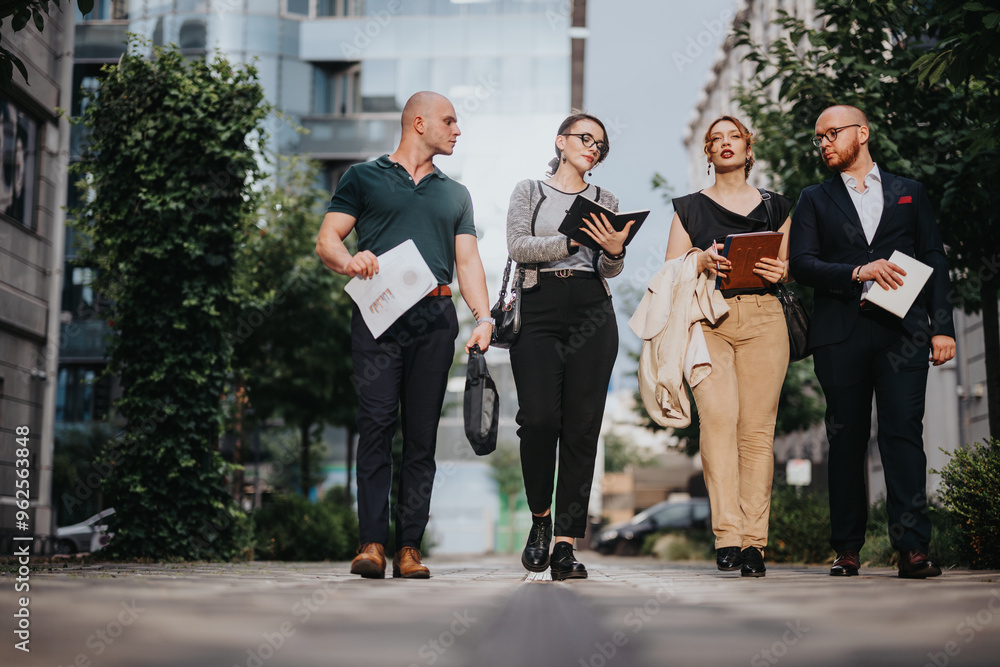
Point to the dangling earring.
(708, 169)
(563, 156)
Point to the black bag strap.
(519, 278)
(772, 223)
(769, 205)
(534, 215)
(503, 285)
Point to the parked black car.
(625, 539)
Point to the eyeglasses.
(589, 141)
(830, 135)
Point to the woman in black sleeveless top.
(738, 402)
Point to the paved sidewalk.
(486, 611)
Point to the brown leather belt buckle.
(440, 290)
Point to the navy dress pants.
(877, 357)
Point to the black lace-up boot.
(564, 565)
(535, 556)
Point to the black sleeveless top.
(705, 221)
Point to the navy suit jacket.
(827, 243)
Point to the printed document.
(402, 280)
(898, 301)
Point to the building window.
(105, 10)
(338, 7)
(18, 139)
(83, 394)
(297, 7)
(193, 34)
(336, 92)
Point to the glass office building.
(343, 69)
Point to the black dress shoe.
(753, 563)
(846, 564)
(535, 557)
(916, 565)
(728, 558)
(564, 565)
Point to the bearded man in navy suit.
(843, 232)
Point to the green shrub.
(293, 528)
(945, 537)
(799, 527)
(969, 485)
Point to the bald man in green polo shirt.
(387, 201)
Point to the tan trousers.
(737, 404)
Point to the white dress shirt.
(868, 204)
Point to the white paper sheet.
(403, 279)
(898, 301)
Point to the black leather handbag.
(796, 316)
(507, 313)
(481, 405)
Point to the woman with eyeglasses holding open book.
(738, 401)
(563, 358)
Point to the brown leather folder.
(744, 251)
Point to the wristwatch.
(492, 321)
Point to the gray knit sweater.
(529, 250)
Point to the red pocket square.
(905, 200)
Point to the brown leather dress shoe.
(916, 565)
(370, 561)
(846, 564)
(407, 565)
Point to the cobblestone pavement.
(486, 611)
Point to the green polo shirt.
(390, 209)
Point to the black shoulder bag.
(796, 317)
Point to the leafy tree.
(926, 74)
(293, 339)
(169, 166)
(21, 12)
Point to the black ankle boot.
(535, 556)
(564, 565)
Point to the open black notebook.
(582, 208)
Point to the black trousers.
(878, 356)
(403, 373)
(562, 364)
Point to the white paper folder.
(898, 301)
(402, 280)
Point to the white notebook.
(898, 301)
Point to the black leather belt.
(568, 273)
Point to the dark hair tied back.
(565, 127)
